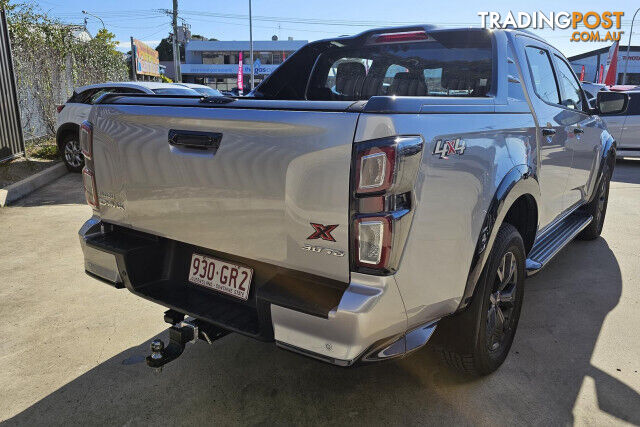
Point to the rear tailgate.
(275, 172)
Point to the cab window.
(542, 75)
(440, 64)
(570, 91)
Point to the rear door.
(615, 123)
(555, 157)
(583, 136)
(274, 173)
(630, 133)
(77, 108)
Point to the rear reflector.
(409, 36)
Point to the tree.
(50, 60)
(165, 50)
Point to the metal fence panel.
(11, 139)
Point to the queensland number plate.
(221, 276)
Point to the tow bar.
(181, 333)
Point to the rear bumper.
(340, 323)
(97, 263)
(370, 312)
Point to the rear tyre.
(71, 153)
(597, 208)
(477, 340)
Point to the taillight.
(86, 139)
(59, 107)
(402, 37)
(90, 190)
(382, 201)
(88, 172)
(373, 241)
(375, 167)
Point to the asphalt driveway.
(72, 349)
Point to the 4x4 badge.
(446, 147)
(322, 232)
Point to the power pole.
(626, 63)
(251, 46)
(176, 46)
(133, 61)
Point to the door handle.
(548, 131)
(195, 139)
(578, 130)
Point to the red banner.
(601, 73)
(611, 70)
(240, 84)
(582, 74)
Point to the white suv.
(625, 127)
(76, 110)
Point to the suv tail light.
(59, 107)
(384, 176)
(88, 172)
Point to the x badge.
(322, 232)
(451, 146)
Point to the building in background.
(592, 61)
(215, 63)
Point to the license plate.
(222, 276)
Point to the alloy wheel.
(602, 199)
(73, 153)
(502, 302)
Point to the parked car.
(72, 113)
(378, 188)
(622, 88)
(202, 89)
(625, 126)
(591, 91)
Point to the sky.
(316, 19)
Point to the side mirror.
(612, 102)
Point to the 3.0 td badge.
(447, 147)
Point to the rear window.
(452, 64)
(175, 91)
(207, 91)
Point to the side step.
(549, 243)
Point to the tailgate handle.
(195, 139)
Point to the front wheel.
(477, 340)
(72, 154)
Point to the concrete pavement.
(72, 349)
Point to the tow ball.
(181, 333)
